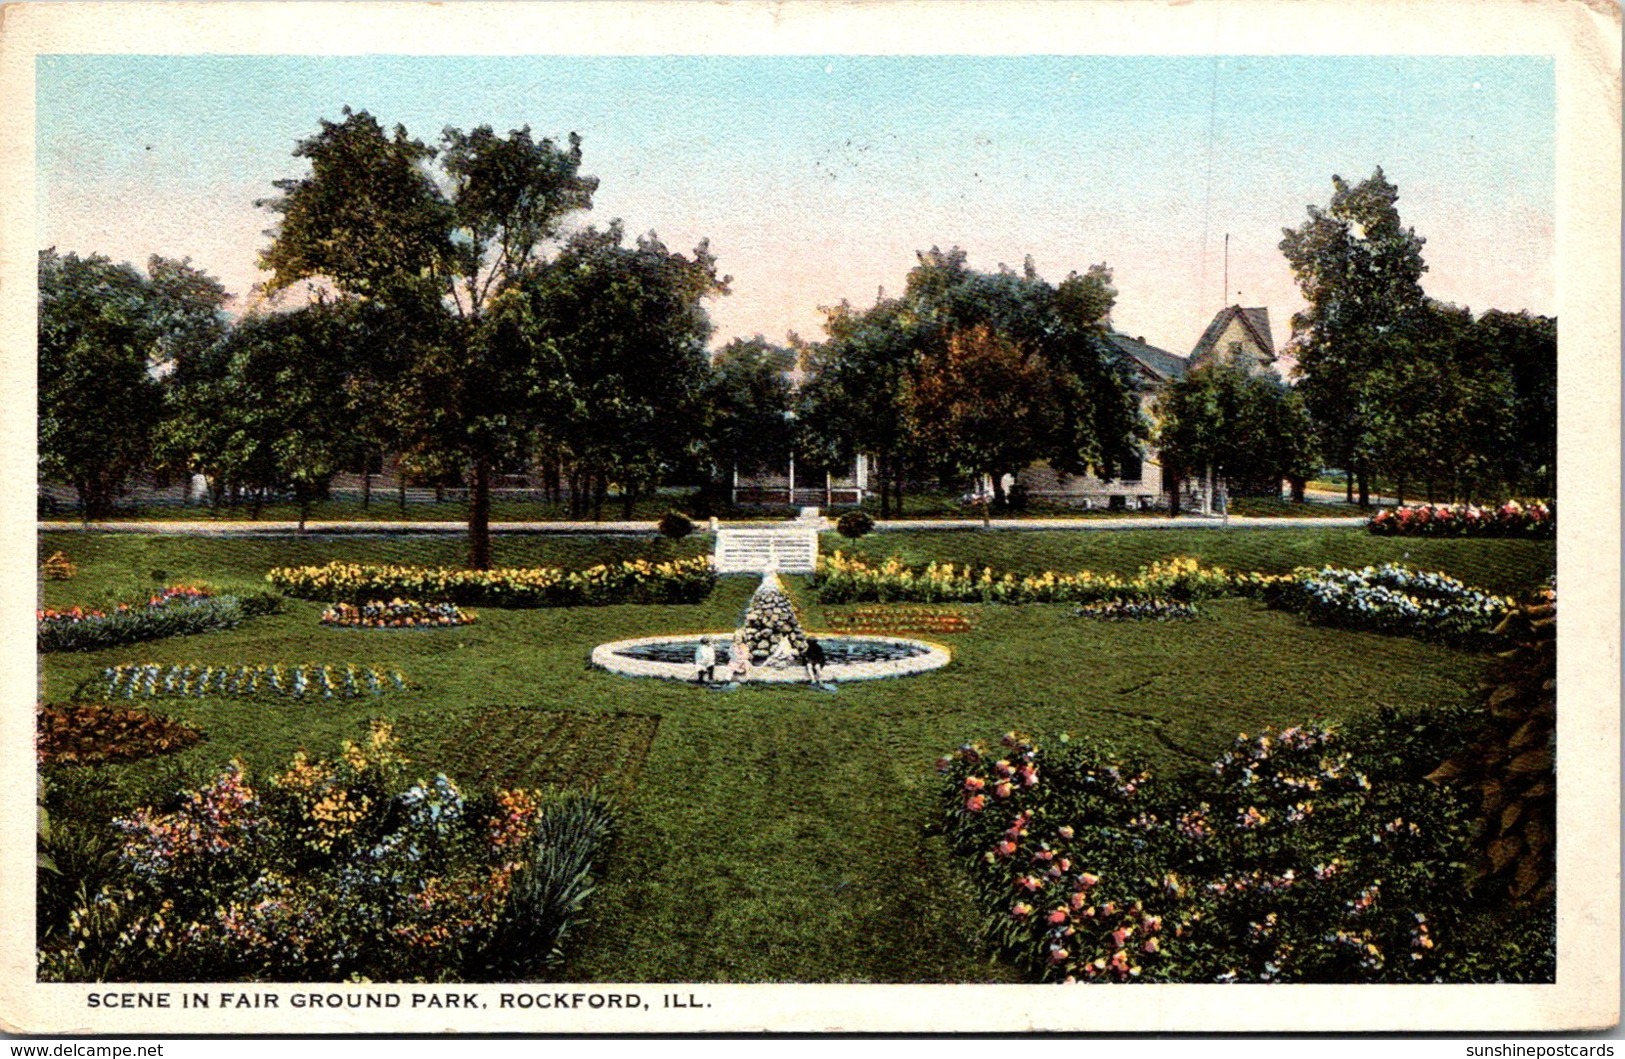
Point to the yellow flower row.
(634, 581)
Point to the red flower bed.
(85, 733)
(1536, 519)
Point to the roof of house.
(1160, 364)
(1256, 321)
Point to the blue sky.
(817, 178)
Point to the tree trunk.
(366, 485)
(898, 488)
(600, 493)
(629, 497)
(1298, 484)
(1365, 487)
(479, 515)
(1173, 496)
(400, 484)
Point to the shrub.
(1536, 520)
(1393, 599)
(675, 525)
(547, 894)
(262, 603)
(397, 614)
(179, 610)
(332, 869)
(854, 524)
(1286, 862)
(152, 680)
(58, 567)
(84, 733)
(637, 581)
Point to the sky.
(817, 179)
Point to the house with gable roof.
(1236, 335)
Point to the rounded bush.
(854, 524)
(675, 525)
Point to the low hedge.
(179, 610)
(636, 581)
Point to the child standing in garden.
(739, 658)
(813, 659)
(705, 660)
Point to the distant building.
(1237, 335)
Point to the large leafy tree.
(1524, 346)
(980, 406)
(749, 400)
(852, 400)
(951, 322)
(272, 408)
(1360, 272)
(618, 334)
(1250, 429)
(439, 239)
(107, 336)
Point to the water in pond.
(843, 652)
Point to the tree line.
(454, 319)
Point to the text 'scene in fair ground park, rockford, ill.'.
(1043, 288)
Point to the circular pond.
(847, 658)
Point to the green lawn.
(784, 833)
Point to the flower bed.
(1536, 519)
(88, 733)
(1302, 856)
(333, 870)
(1392, 599)
(178, 610)
(397, 614)
(151, 680)
(637, 581)
(849, 579)
(1138, 610)
(901, 621)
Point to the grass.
(781, 834)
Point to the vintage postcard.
(656, 518)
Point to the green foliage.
(674, 525)
(622, 332)
(103, 330)
(637, 581)
(548, 894)
(1293, 860)
(959, 343)
(1249, 428)
(748, 399)
(168, 614)
(854, 524)
(328, 870)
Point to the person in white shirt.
(705, 660)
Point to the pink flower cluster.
(1510, 519)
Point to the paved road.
(214, 528)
